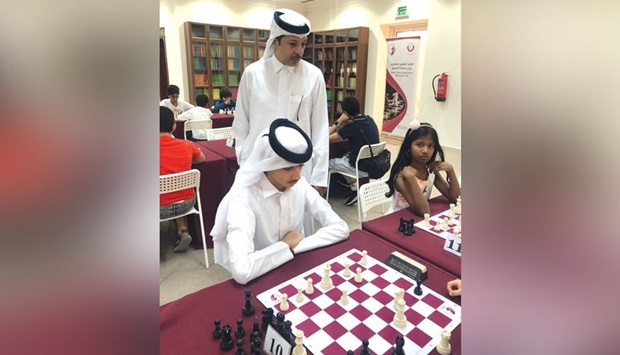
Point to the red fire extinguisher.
(442, 86)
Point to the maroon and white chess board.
(445, 232)
(332, 328)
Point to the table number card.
(275, 344)
(453, 245)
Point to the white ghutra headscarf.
(286, 23)
(281, 145)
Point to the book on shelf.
(340, 95)
(200, 79)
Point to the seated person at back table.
(199, 113)
(415, 171)
(225, 102)
(173, 102)
(175, 156)
(348, 127)
(259, 223)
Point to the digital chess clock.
(407, 266)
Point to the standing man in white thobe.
(282, 85)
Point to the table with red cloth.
(423, 244)
(212, 191)
(220, 120)
(219, 147)
(186, 325)
(338, 148)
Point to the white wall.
(442, 54)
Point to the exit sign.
(401, 11)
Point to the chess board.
(332, 328)
(444, 233)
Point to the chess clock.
(407, 266)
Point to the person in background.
(350, 126)
(225, 102)
(199, 113)
(175, 156)
(259, 223)
(282, 85)
(416, 171)
(173, 102)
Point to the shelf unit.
(342, 56)
(217, 55)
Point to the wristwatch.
(336, 123)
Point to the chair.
(192, 125)
(181, 181)
(363, 154)
(219, 133)
(373, 194)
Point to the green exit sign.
(401, 11)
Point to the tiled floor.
(184, 273)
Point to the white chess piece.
(364, 261)
(344, 299)
(437, 227)
(299, 341)
(284, 303)
(444, 347)
(456, 231)
(451, 221)
(444, 224)
(398, 295)
(300, 296)
(310, 287)
(326, 282)
(358, 275)
(452, 206)
(347, 272)
(400, 320)
(427, 216)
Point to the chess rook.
(444, 347)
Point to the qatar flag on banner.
(402, 69)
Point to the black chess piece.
(254, 335)
(412, 225)
(418, 288)
(365, 350)
(256, 327)
(267, 318)
(409, 228)
(217, 332)
(240, 350)
(248, 308)
(401, 226)
(227, 342)
(280, 323)
(257, 346)
(350, 352)
(240, 332)
(398, 348)
(288, 332)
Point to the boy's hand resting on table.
(454, 288)
(292, 238)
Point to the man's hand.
(322, 190)
(292, 238)
(454, 287)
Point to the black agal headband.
(298, 30)
(283, 152)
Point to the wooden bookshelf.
(217, 55)
(342, 56)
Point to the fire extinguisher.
(442, 86)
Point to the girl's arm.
(450, 188)
(407, 185)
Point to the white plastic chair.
(181, 181)
(363, 154)
(192, 125)
(219, 133)
(373, 194)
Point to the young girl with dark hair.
(416, 171)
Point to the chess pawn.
(240, 350)
(437, 227)
(455, 231)
(347, 272)
(364, 260)
(452, 206)
(240, 332)
(310, 288)
(399, 318)
(401, 226)
(444, 347)
(445, 224)
(358, 275)
(217, 332)
(344, 299)
(284, 303)
(427, 216)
